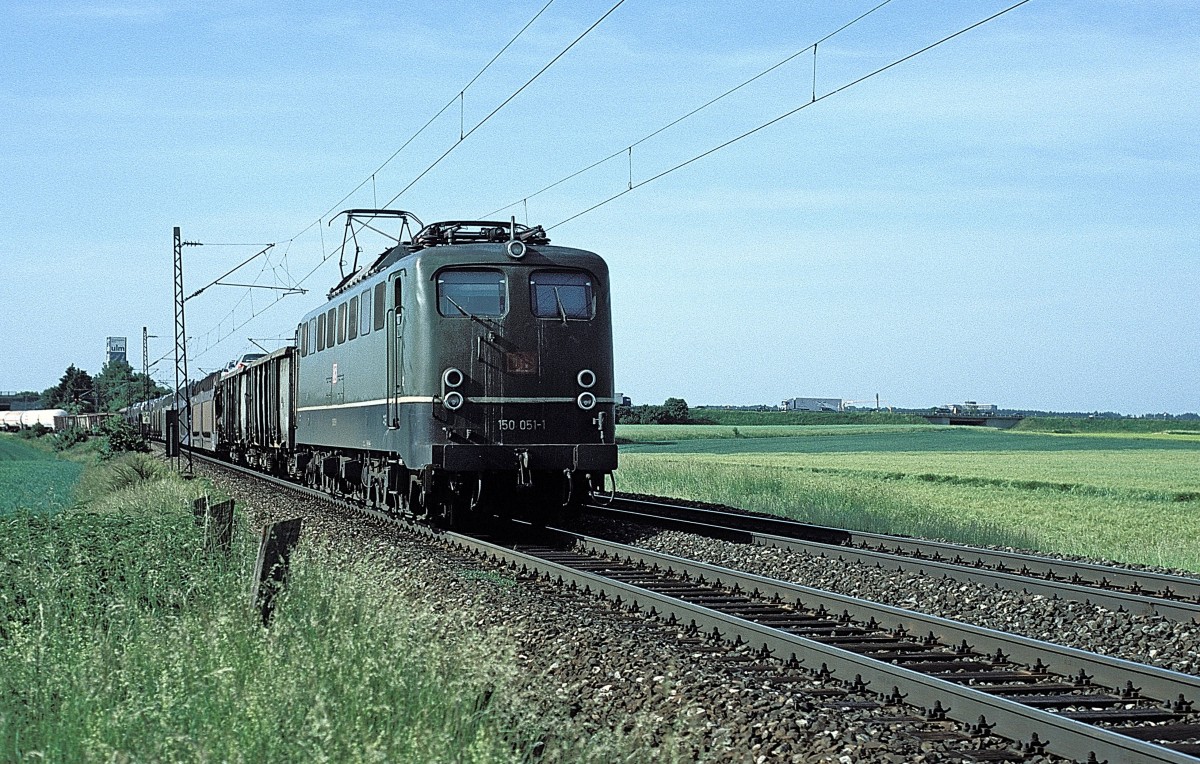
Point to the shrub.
(121, 437)
(69, 437)
(673, 411)
(31, 433)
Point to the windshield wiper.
(464, 311)
(561, 310)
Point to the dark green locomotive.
(467, 370)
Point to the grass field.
(740, 418)
(1074, 425)
(1132, 497)
(671, 433)
(33, 479)
(123, 640)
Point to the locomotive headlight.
(515, 249)
(452, 377)
(586, 401)
(453, 400)
(586, 378)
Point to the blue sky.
(1009, 218)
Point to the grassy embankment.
(122, 640)
(1129, 497)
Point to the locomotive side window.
(341, 332)
(476, 292)
(330, 327)
(321, 332)
(562, 294)
(312, 336)
(380, 304)
(352, 321)
(366, 314)
(302, 338)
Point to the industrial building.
(970, 407)
(811, 404)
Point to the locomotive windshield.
(476, 292)
(561, 294)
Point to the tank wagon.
(467, 370)
(25, 420)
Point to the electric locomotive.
(467, 370)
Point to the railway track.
(1052, 699)
(1135, 591)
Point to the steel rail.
(929, 558)
(1008, 718)
(1106, 670)
(1012, 720)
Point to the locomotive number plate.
(522, 425)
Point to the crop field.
(33, 479)
(667, 434)
(1130, 497)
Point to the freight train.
(466, 371)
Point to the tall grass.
(1154, 527)
(857, 505)
(122, 640)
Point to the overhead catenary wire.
(371, 178)
(458, 96)
(327, 255)
(629, 149)
(785, 115)
(506, 101)
(631, 186)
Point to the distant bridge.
(974, 420)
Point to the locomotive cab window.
(474, 292)
(562, 294)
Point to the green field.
(668, 434)
(33, 479)
(742, 418)
(1085, 425)
(1132, 497)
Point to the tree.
(677, 411)
(74, 392)
(117, 386)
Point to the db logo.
(522, 362)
